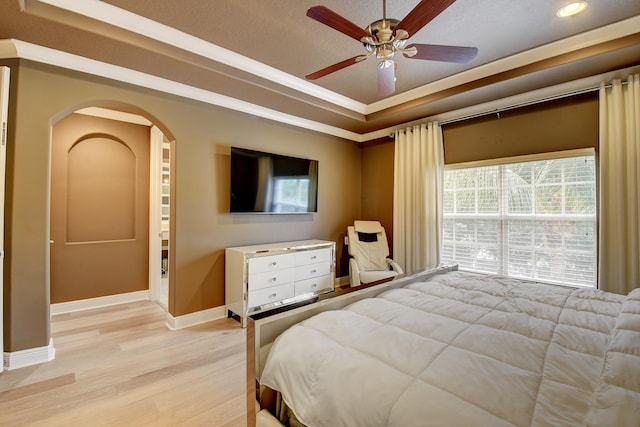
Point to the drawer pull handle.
(272, 296)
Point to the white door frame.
(155, 213)
(4, 110)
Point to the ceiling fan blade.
(386, 78)
(433, 52)
(335, 67)
(422, 14)
(330, 18)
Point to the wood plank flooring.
(121, 366)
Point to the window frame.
(503, 217)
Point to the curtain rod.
(529, 103)
(519, 105)
(508, 108)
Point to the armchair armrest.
(354, 273)
(394, 266)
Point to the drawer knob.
(314, 257)
(272, 296)
(314, 285)
(313, 271)
(274, 263)
(273, 279)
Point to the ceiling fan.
(385, 37)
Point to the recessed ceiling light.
(572, 8)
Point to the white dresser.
(262, 277)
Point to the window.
(533, 219)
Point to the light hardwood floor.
(121, 366)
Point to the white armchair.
(369, 251)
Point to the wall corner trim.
(193, 319)
(29, 357)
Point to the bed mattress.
(464, 349)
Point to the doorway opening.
(110, 178)
(159, 217)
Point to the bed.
(464, 349)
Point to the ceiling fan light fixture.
(386, 77)
(571, 8)
(385, 52)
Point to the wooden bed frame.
(262, 332)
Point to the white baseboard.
(192, 319)
(91, 303)
(29, 357)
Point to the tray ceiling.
(259, 51)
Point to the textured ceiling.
(522, 46)
(279, 34)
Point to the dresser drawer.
(261, 277)
(312, 270)
(269, 295)
(270, 278)
(313, 285)
(271, 263)
(313, 256)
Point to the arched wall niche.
(122, 111)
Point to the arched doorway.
(108, 230)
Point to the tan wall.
(564, 124)
(26, 274)
(377, 185)
(99, 223)
(202, 227)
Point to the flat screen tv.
(272, 183)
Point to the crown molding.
(588, 44)
(127, 21)
(11, 48)
(131, 22)
(527, 98)
(598, 36)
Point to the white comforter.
(465, 350)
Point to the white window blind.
(533, 219)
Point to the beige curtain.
(619, 254)
(417, 197)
